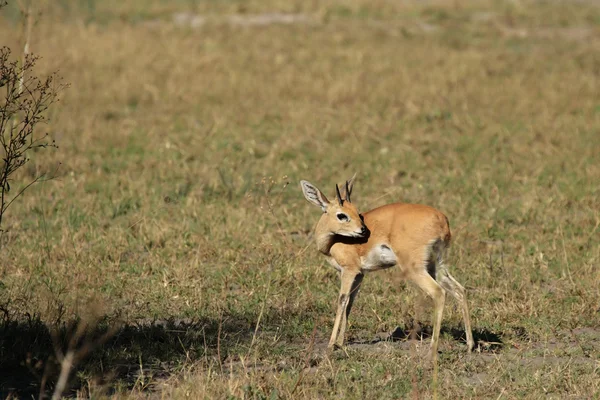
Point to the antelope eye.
(343, 217)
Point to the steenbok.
(411, 237)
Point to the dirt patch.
(566, 348)
(191, 20)
(574, 33)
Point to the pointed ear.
(348, 188)
(314, 195)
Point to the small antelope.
(412, 237)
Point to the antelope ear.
(314, 195)
(348, 188)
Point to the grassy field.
(177, 216)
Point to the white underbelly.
(379, 257)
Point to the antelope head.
(340, 217)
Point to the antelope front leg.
(348, 278)
(353, 292)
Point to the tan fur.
(410, 237)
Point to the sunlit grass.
(180, 155)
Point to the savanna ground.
(177, 217)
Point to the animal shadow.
(485, 340)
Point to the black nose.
(364, 230)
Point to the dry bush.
(23, 108)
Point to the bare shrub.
(22, 108)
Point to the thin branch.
(74, 355)
(37, 179)
(309, 352)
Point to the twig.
(28, 23)
(500, 395)
(37, 179)
(413, 350)
(74, 355)
(567, 266)
(576, 339)
(272, 212)
(309, 352)
(262, 310)
(220, 327)
(65, 370)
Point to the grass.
(178, 213)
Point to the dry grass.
(176, 147)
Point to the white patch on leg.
(334, 264)
(380, 257)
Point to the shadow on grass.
(151, 348)
(488, 340)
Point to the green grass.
(177, 212)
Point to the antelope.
(412, 237)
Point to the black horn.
(339, 196)
(348, 193)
